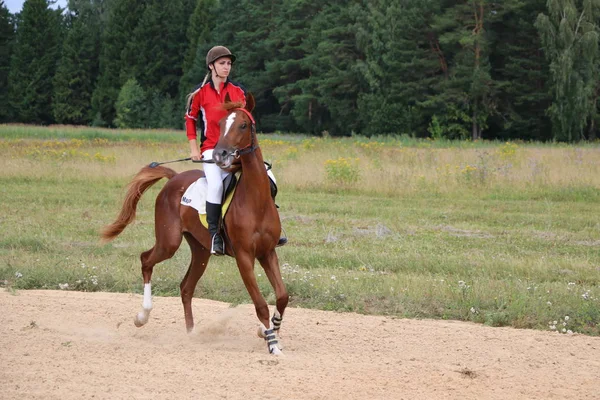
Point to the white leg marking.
(142, 317)
(147, 304)
(228, 123)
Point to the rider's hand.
(195, 155)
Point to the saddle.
(195, 195)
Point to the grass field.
(505, 234)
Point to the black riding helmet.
(218, 52)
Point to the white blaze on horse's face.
(229, 123)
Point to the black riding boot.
(282, 240)
(213, 215)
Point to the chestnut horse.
(252, 224)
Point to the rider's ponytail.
(190, 96)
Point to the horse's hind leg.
(270, 265)
(198, 264)
(168, 239)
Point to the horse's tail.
(140, 183)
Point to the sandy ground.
(72, 345)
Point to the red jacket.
(206, 109)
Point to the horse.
(251, 225)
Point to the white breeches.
(214, 179)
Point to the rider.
(204, 106)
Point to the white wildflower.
(63, 286)
(18, 275)
(586, 295)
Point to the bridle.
(251, 147)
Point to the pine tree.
(34, 61)
(287, 68)
(123, 17)
(329, 95)
(469, 94)
(78, 68)
(570, 38)
(521, 72)
(155, 52)
(404, 66)
(254, 37)
(7, 33)
(199, 33)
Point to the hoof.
(260, 333)
(141, 319)
(274, 350)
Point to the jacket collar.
(210, 81)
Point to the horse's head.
(237, 132)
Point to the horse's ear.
(250, 103)
(227, 98)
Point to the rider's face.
(222, 67)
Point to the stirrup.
(217, 251)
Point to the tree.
(34, 61)
(469, 93)
(403, 67)
(521, 74)
(328, 100)
(123, 17)
(154, 54)
(254, 37)
(7, 34)
(570, 40)
(131, 106)
(199, 33)
(288, 67)
(79, 64)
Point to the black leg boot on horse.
(213, 216)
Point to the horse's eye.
(244, 126)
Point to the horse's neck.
(253, 167)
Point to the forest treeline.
(457, 69)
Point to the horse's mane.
(231, 105)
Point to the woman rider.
(204, 107)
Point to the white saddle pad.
(195, 195)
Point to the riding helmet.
(217, 52)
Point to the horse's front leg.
(245, 262)
(270, 264)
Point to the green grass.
(414, 236)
